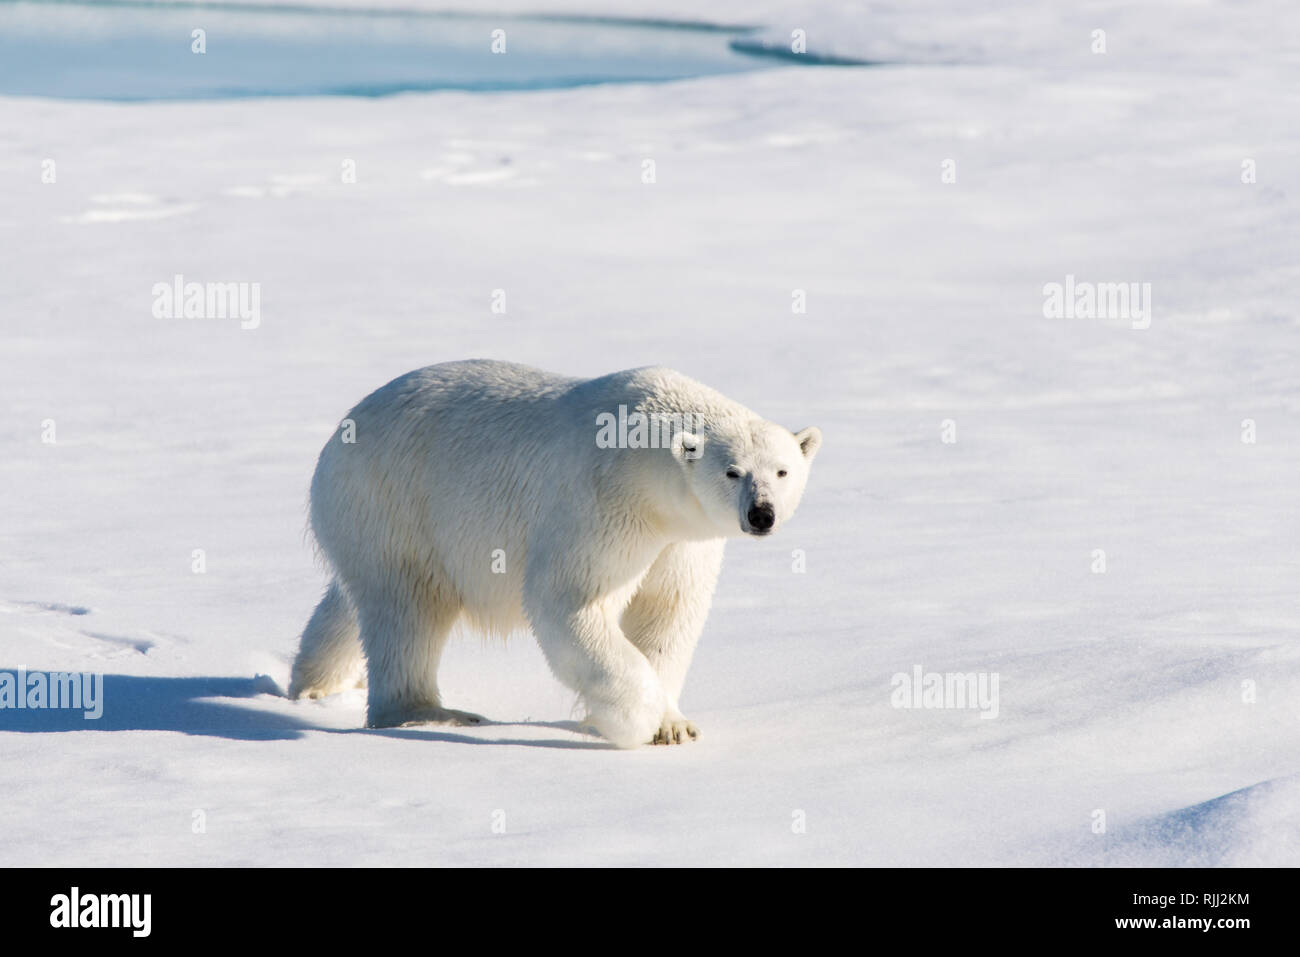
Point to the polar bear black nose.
(761, 517)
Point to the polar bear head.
(747, 476)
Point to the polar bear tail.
(329, 657)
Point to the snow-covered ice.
(1164, 692)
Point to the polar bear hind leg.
(329, 657)
(403, 633)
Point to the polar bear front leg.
(665, 618)
(589, 653)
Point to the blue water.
(126, 51)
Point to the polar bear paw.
(675, 730)
(413, 717)
(626, 727)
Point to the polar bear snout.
(760, 518)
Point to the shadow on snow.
(195, 706)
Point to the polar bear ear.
(810, 440)
(688, 446)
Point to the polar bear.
(593, 512)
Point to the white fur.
(611, 555)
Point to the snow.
(1128, 692)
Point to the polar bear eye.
(733, 473)
(781, 473)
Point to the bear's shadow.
(190, 706)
